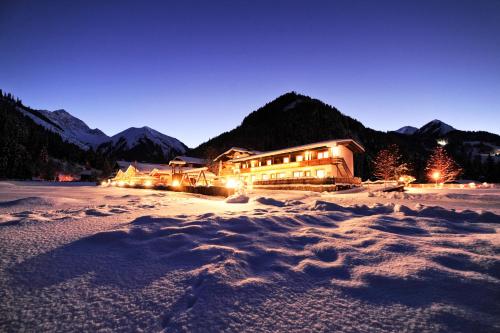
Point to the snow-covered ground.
(86, 258)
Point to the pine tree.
(388, 164)
(441, 167)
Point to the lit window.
(286, 159)
(265, 177)
(307, 173)
(320, 173)
(281, 175)
(273, 176)
(299, 158)
(320, 155)
(335, 151)
(307, 156)
(269, 162)
(325, 154)
(297, 174)
(253, 163)
(253, 178)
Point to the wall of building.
(320, 171)
(348, 157)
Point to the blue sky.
(193, 69)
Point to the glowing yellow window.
(269, 162)
(320, 173)
(299, 158)
(286, 160)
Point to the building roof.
(142, 167)
(188, 160)
(351, 144)
(237, 149)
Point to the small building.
(225, 165)
(326, 162)
(188, 162)
(142, 174)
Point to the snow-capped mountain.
(143, 144)
(70, 128)
(407, 130)
(133, 136)
(436, 127)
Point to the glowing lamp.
(436, 175)
(104, 183)
(121, 183)
(231, 183)
(148, 183)
(175, 183)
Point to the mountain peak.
(436, 126)
(134, 136)
(407, 130)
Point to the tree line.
(28, 150)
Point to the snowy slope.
(407, 130)
(134, 136)
(436, 127)
(70, 128)
(77, 128)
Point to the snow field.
(112, 259)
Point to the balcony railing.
(310, 181)
(280, 166)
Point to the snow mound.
(29, 201)
(237, 198)
(269, 201)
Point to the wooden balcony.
(310, 181)
(291, 165)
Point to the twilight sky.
(193, 69)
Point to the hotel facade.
(327, 165)
(326, 162)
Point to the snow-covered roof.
(351, 144)
(188, 160)
(142, 167)
(237, 149)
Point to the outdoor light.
(442, 142)
(436, 175)
(104, 183)
(175, 183)
(121, 183)
(148, 183)
(231, 183)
